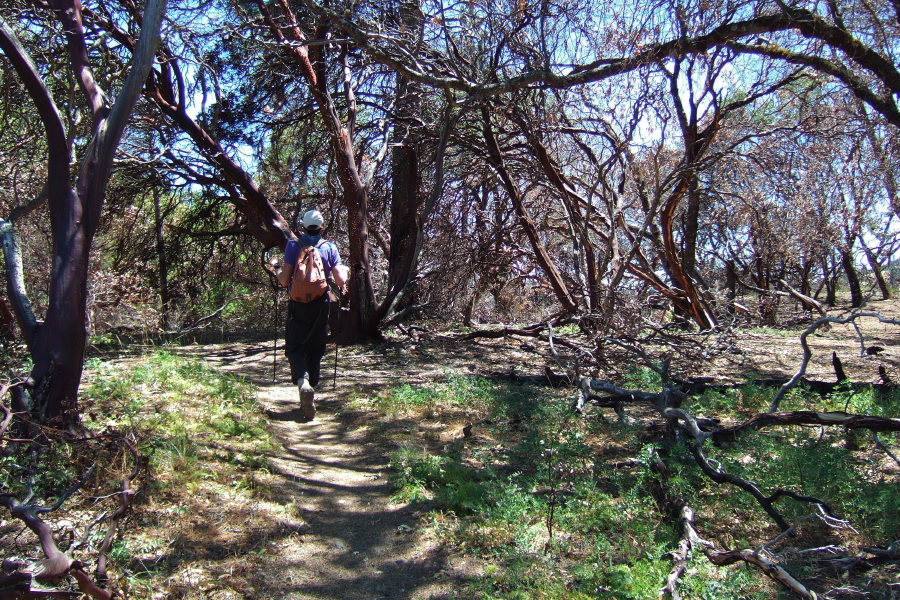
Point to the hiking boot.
(307, 395)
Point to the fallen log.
(690, 540)
(807, 417)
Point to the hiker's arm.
(340, 273)
(283, 273)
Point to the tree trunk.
(691, 304)
(805, 271)
(681, 266)
(583, 249)
(829, 278)
(407, 222)
(363, 316)
(879, 274)
(730, 286)
(469, 311)
(563, 295)
(856, 295)
(57, 346)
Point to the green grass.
(455, 391)
(536, 472)
(181, 408)
(203, 440)
(535, 494)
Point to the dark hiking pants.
(304, 339)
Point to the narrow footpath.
(355, 543)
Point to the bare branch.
(807, 352)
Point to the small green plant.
(404, 399)
(868, 401)
(642, 378)
(420, 476)
(569, 329)
(456, 390)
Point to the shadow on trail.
(362, 546)
(351, 543)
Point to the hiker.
(304, 343)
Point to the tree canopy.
(474, 160)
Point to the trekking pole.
(334, 379)
(275, 340)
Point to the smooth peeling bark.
(58, 344)
(563, 295)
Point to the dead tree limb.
(768, 566)
(807, 417)
(838, 367)
(556, 355)
(17, 405)
(690, 540)
(125, 499)
(880, 445)
(536, 332)
(807, 352)
(7, 414)
(666, 404)
(805, 301)
(56, 563)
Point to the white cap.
(313, 218)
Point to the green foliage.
(642, 378)
(867, 401)
(570, 329)
(49, 471)
(420, 476)
(176, 403)
(455, 391)
(748, 398)
(820, 467)
(536, 503)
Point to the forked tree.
(75, 200)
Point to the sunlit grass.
(206, 441)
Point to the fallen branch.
(198, 323)
(805, 301)
(125, 499)
(807, 352)
(768, 566)
(808, 417)
(7, 413)
(690, 540)
(666, 403)
(56, 563)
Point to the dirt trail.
(355, 544)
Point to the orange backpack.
(308, 281)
